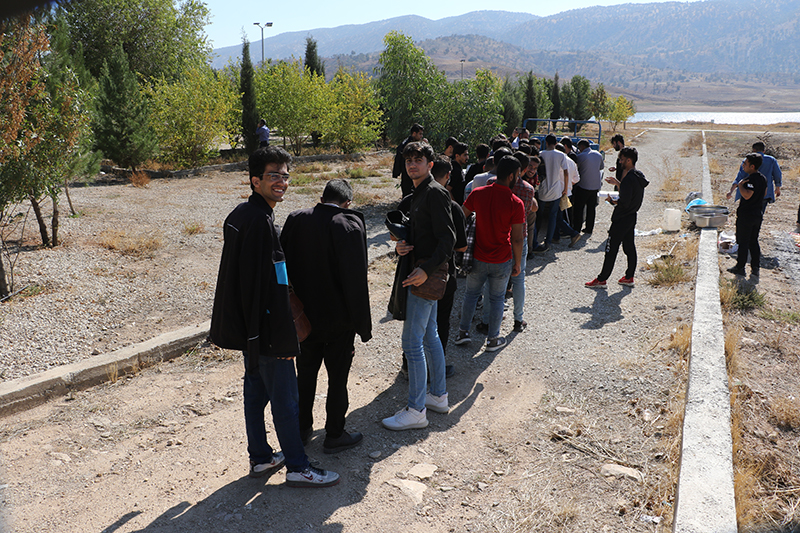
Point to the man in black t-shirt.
(749, 217)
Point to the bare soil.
(597, 379)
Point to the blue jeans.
(497, 275)
(518, 286)
(554, 217)
(275, 381)
(423, 350)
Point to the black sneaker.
(520, 325)
(482, 328)
(449, 371)
(737, 271)
(342, 443)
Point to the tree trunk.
(55, 221)
(69, 198)
(3, 284)
(40, 219)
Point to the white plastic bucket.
(672, 219)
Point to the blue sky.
(229, 17)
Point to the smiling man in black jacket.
(326, 255)
(252, 313)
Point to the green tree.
(233, 120)
(21, 87)
(555, 98)
(355, 118)
(121, 128)
(159, 37)
(575, 97)
(470, 110)
(512, 106)
(620, 110)
(536, 98)
(248, 92)
(598, 103)
(408, 84)
(189, 116)
(313, 62)
(294, 100)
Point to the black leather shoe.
(305, 435)
(345, 442)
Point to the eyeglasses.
(277, 176)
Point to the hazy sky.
(229, 17)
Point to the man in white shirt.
(555, 185)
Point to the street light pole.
(266, 25)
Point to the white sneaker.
(406, 418)
(437, 403)
(312, 477)
(259, 470)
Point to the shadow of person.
(605, 308)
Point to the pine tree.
(313, 62)
(555, 114)
(121, 129)
(249, 111)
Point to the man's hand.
(516, 270)
(777, 191)
(612, 169)
(729, 195)
(416, 278)
(612, 180)
(402, 248)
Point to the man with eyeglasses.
(252, 313)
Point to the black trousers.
(336, 350)
(444, 309)
(582, 198)
(747, 230)
(620, 232)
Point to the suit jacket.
(326, 257)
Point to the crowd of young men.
(321, 257)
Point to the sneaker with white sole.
(262, 469)
(312, 477)
(437, 403)
(462, 338)
(406, 418)
(495, 344)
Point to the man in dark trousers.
(399, 169)
(623, 219)
(749, 216)
(252, 313)
(326, 255)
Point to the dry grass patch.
(733, 335)
(693, 145)
(140, 180)
(785, 413)
(673, 179)
(681, 340)
(714, 167)
(358, 172)
(141, 245)
(312, 168)
(668, 271)
(363, 199)
(193, 228)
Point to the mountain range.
(660, 51)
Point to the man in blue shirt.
(263, 134)
(771, 172)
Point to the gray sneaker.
(263, 469)
(492, 345)
(312, 477)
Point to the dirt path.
(165, 451)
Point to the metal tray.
(710, 221)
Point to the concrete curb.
(23, 393)
(705, 495)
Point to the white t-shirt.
(552, 187)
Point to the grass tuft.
(140, 180)
(681, 340)
(141, 245)
(668, 272)
(785, 413)
(193, 228)
(740, 296)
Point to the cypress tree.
(249, 112)
(121, 129)
(313, 62)
(556, 100)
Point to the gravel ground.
(164, 450)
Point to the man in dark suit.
(399, 169)
(326, 258)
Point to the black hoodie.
(631, 194)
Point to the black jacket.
(399, 168)
(631, 194)
(326, 255)
(251, 305)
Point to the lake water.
(716, 117)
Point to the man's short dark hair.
(523, 159)
(500, 142)
(535, 161)
(759, 146)
(460, 148)
(441, 167)
(419, 148)
(500, 152)
(583, 143)
(263, 156)
(525, 148)
(550, 140)
(482, 151)
(567, 142)
(755, 159)
(337, 191)
(618, 137)
(507, 166)
(450, 141)
(630, 153)
(416, 128)
(536, 141)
